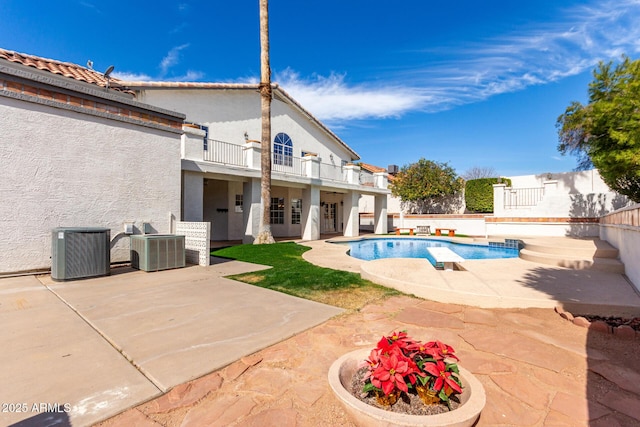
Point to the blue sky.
(472, 83)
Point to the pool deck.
(500, 283)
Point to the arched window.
(283, 150)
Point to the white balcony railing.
(287, 165)
(248, 156)
(224, 153)
(333, 172)
(367, 179)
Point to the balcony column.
(311, 213)
(351, 214)
(252, 153)
(311, 166)
(380, 225)
(381, 180)
(192, 196)
(498, 199)
(192, 143)
(353, 174)
(251, 210)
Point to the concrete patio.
(105, 344)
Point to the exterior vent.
(392, 169)
(153, 252)
(80, 252)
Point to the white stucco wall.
(584, 182)
(624, 234)
(65, 169)
(367, 204)
(231, 113)
(570, 194)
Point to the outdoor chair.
(423, 230)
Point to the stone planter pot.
(473, 399)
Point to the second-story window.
(283, 150)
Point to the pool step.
(577, 254)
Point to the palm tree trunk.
(264, 233)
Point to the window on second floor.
(282, 150)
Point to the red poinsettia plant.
(400, 364)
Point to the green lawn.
(293, 275)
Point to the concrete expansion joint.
(106, 338)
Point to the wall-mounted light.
(331, 157)
(246, 136)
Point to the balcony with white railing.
(224, 153)
(196, 147)
(332, 172)
(367, 179)
(287, 165)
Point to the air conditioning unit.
(153, 252)
(78, 252)
(392, 169)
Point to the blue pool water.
(371, 249)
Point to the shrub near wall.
(478, 193)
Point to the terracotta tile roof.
(374, 169)
(371, 168)
(65, 69)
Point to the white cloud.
(172, 58)
(190, 76)
(89, 5)
(132, 77)
(330, 98)
(474, 71)
(536, 55)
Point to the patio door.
(329, 216)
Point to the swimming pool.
(370, 249)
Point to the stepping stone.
(518, 347)
(429, 318)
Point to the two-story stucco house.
(315, 186)
(80, 148)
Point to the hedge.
(478, 193)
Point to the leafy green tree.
(605, 133)
(425, 184)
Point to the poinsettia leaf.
(443, 396)
(369, 387)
